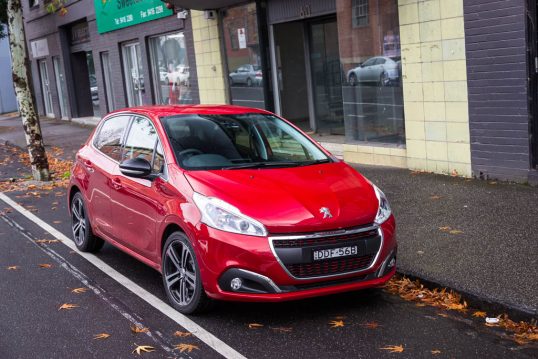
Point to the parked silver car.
(380, 69)
(250, 75)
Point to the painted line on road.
(212, 341)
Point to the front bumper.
(224, 256)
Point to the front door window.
(134, 77)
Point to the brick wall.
(497, 81)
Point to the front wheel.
(181, 276)
(83, 236)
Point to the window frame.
(356, 16)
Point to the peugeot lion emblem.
(326, 212)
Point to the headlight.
(221, 215)
(384, 211)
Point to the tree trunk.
(22, 81)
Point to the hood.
(289, 200)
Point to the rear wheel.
(181, 276)
(83, 236)
(249, 82)
(353, 79)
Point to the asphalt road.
(31, 324)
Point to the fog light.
(236, 284)
(392, 262)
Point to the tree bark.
(22, 81)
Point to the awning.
(203, 4)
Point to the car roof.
(171, 110)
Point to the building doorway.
(309, 79)
(85, 84)
(45, 88)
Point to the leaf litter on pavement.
(412, 290)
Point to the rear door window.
(110, 136)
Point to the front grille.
(305, 242)
(330, 267)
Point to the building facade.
(105, 55)
(430, 85)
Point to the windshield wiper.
(262, 164)
(313, 162)
(275, 164)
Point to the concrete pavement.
(474, 236)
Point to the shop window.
(360, 13)
(372, 70)
(245, 74)
(170, 69)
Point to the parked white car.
(249, 75)
(380, 69)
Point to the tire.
(353, 79)
(81, 228)
(181, 276)
(231, 81)
(249, 82)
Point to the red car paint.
(134, 214)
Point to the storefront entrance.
(309, 80)
(45, 88)
(134, 77)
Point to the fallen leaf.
(79, 290)
(136, 329)
(45, 265)
(442, 315)
(394, 348)
(444, 229)
(455, 231)
(68, 306)
(56, 222)
(371, 325)
(101, 336)
(143, 349)
(13, 268)
(479, 314)
(282, 329)
(47, 241)
(336, 323)
(435, 352)
(255, 326)
(434, 198)
(186, 347)
(182, 334)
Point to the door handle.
(116, 183)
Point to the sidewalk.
(477, 237)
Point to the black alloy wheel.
(181, 276)
(83, 236)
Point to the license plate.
(334, 252)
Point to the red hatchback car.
(229, 203)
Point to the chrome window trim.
(328, 234)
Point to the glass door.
(60, 86)
(45, 88)
(326, 77)
(105, 63)
(134, 78)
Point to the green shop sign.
(116, 14)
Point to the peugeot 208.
(229, 203)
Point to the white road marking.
(196, 330)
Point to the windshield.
(238, 141)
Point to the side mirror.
(136, 167)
